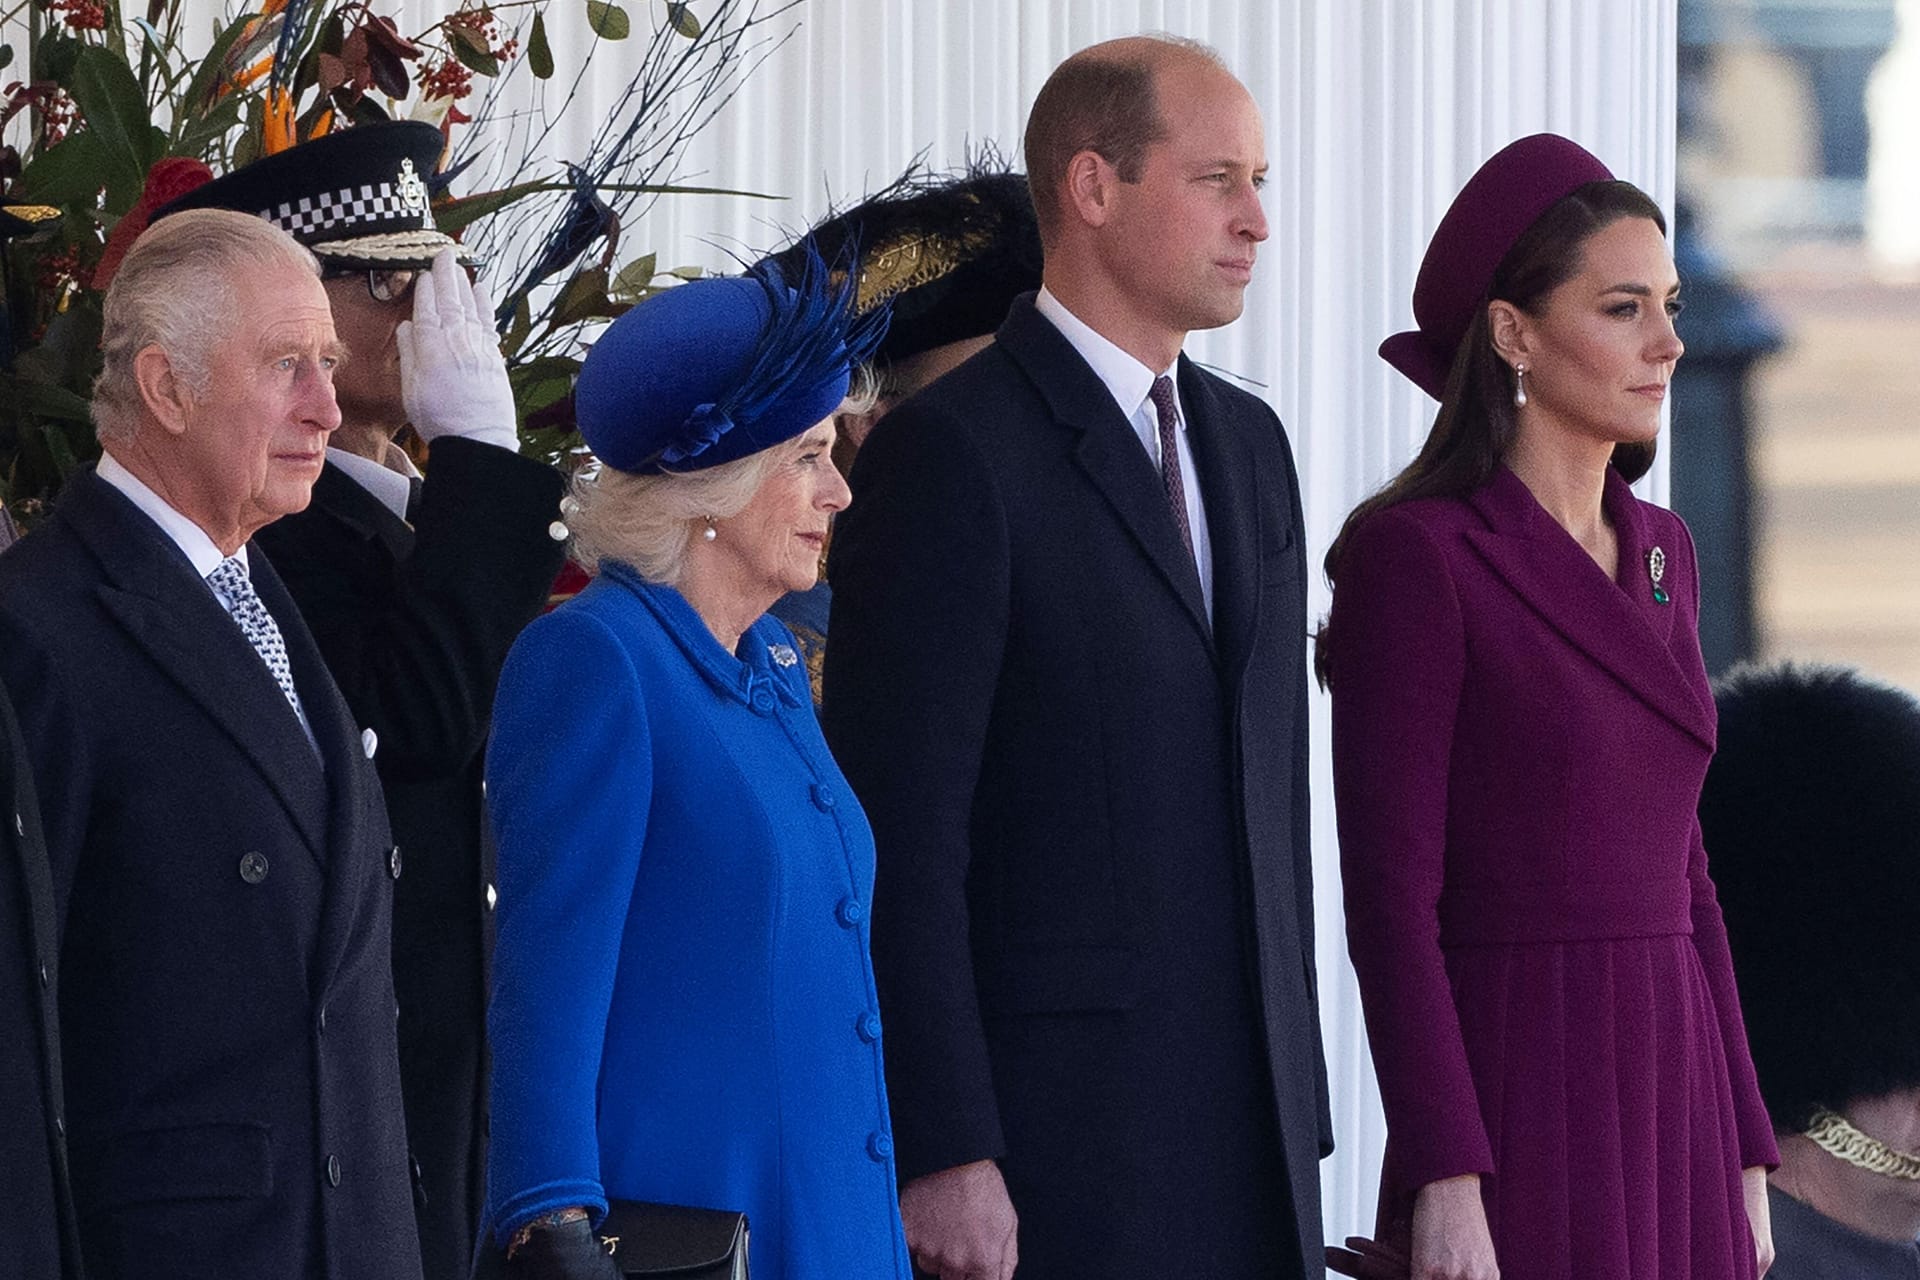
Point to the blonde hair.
(650, 521)
(175, 290)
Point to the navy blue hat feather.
(716, 369)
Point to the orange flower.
(277, 133)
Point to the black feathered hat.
(1811, 815)
(950, 253)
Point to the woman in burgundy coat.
(1521, 724)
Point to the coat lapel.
(1106, 449)
(1555, 577)
(155, 596)
(342, 498)
(1236, 509)
(347, 776)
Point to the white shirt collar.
(188, 536)
(392, 488)
(1125, 377)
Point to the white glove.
(453, 381)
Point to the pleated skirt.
(1603, 1084)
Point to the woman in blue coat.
(683, 1006)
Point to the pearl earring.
(709, 533)
(1519, 386)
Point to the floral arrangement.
(109, 96)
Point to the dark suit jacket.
(414, 623)
(38, 1239)
(1093, 923)
(223, 899)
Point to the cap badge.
(413, 192)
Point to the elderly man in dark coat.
(218, 843)
(415, 587)
(1067, 681)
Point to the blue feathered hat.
(715, 369)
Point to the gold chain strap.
(1834, 1135)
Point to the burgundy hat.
(1500, 201)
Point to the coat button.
(493, 897)
(822, 798)
(45, 979)
(763, 699)
(253, 867)
(323, 1017)
(868, 1025)
(19, 826)
(880, 1147)
(850, 913)
(333, 1170)
(393, 861)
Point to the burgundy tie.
(1162, 397)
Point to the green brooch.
(1656, 570)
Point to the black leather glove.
(569, 1251)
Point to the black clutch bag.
(656, 1240)
(668, 1240)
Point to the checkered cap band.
(372, 205)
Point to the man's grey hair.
(176, 290)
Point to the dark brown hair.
(1101, 100)
(1476, 424)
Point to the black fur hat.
(951, 253)
(1811, 814)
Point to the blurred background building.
(1796, 451)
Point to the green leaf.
(471, 49)
(608, 20)
(680, 17)
(455, 215)
(687, 273)
(206, 81)
(520, 327)
(71, 170)
(539, 52)
(585, 298)
(541, 381)
(635, 279)
(209, 128)
(116, 111)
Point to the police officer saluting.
(414, 588)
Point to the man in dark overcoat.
(223, 878)
(37, 1234)
(415, 589)
(1067, 681)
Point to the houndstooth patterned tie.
(230, 579)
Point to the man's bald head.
(1102, 99)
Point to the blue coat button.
(763, 699)
(333, 1170)
(823, 798)
(850, 912)
(393, 861)
(880, 1147)
(868, 1025)
(253, 867)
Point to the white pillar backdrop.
(1376, 112)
